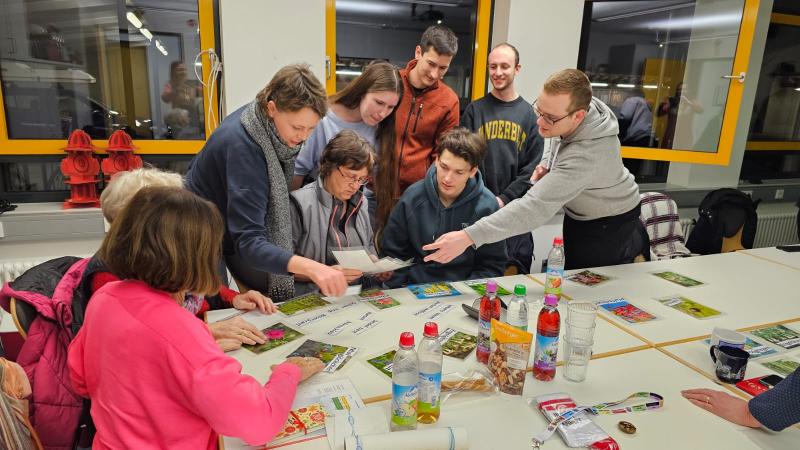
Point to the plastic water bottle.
(405, 373)
(517, 314)
(555, 268)
(430, 375)
(490, 309)
(547, 330)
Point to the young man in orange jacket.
(428, 108)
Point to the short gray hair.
(124, 185)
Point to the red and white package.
(578, 430)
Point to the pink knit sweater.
(157, 379)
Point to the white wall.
(547, 34)
(259, 37)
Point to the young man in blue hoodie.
(451, 197)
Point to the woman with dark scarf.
(245, 169)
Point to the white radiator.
(12, 269)
(773, 229)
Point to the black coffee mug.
(731, 363)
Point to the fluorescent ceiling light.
(650, 86)
(797, 89)
(134, 19)
(627, 86)
(354, 73)
(644, 12)
(710, 20)
(599, 84)
(146, 33)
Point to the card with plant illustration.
(378, 299)
(678, 279)
(689, 307)
(783, 366)
(301, 304)
(383, 362)
(457, 344)
(479, 286)
(277, 335)
(779, 335)
(433, 290)
(334, 356)
(588, 278)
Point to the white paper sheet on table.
(359, 259)
(336, 395)
(369, 420)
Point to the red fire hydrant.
(120, 155)
(81, 169)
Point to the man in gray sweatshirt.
(582, 172)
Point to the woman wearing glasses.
(366, 105)
(331, 212)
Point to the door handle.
(739, 77)
(327, 67)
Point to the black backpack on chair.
(722, 213)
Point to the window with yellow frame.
(138, 66)
(673, 72)
(773, 145)
(360, 31)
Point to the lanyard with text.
(655, 401)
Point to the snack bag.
(579, 430)
(508, 361)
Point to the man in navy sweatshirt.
(451, 197)
(507, 122)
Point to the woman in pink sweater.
(156, 377)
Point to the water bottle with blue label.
(405, 374)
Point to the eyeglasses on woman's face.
(352, 179)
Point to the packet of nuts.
(508, 361)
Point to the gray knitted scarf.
(280, 169)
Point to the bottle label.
(484, 330)
(430, 386)
(552, 284)
(546, 350)
(404, 405)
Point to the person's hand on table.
(253, 299)
(349, 274)
(308, 365)
(722, 404)
(448, 246)
(238, 329)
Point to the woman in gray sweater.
(331, 213)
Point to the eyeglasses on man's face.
(352, 179)
(546, 117)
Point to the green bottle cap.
(519, 289)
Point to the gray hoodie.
(586, 178)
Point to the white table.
(696, 354)
(609, 340)
(772, 254)
(749, 291)
(507, 422)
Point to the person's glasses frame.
(546, 119)
(352, 179)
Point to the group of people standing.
(387, 164)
